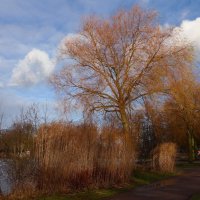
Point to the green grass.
(88, 195)
(139, 178)
(148, 177)
(196, 197)
(187, 165)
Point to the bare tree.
(118, 61)
(1, 120)
(2, 116)
(32, 116)
(45, 113)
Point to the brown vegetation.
(74, 157)
(164, 157)
(131, 71)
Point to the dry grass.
(164, 157)
(75, 157)
(115, 159)
(26, 190)
(65, 155)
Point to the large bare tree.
(119, 60)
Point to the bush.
(164, 157)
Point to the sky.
(32, 30)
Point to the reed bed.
(75, 157)
(115, 160)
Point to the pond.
(5, 185)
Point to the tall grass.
(75, 157)
(115, 160)
(65, 156)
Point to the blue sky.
(31, 31)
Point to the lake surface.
(5, 185)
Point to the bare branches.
(119, 60)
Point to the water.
(5, 186)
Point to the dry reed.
(114, 161)
(75, 157)
(65, 155)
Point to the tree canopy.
(119, 60)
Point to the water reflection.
(5, 186)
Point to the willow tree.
(119, 60)
(176, 117)
(183, 106)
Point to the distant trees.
(19, 137)
(175, 116)
(183, 107)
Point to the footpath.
(182, 187)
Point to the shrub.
(164, 157)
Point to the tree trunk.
(125, 121)
(126, 130)
(191, 147)
(129, 154)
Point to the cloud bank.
(34, 68)
(191, 31)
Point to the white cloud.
(69, 37)
(191, 31)
(35, 67)
(62, 48)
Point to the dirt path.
(176, 188)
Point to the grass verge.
(187, 165)
(139, 178)
(196, 197)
